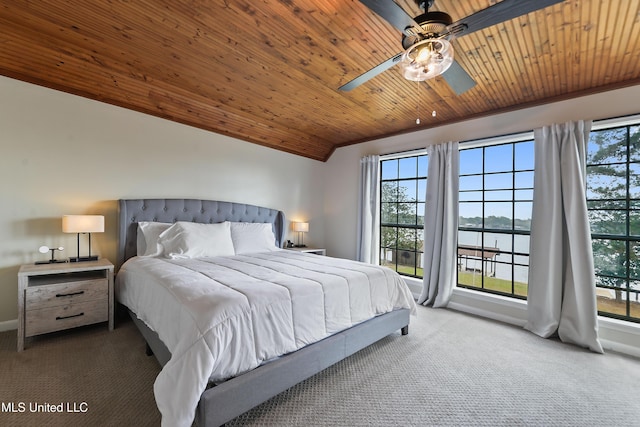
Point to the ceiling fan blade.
(392, 13)
(384, 66)
(499, 12)
(458, 79)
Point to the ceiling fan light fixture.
(426, 59)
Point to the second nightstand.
(317, 251)
(53, 297)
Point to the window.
(496, 201)
(613, 201)
(403, 187)
(496, 198)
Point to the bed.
(307, 347)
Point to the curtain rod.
(400, 154)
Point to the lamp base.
(84, 258)
(299, 246)
(52, 261)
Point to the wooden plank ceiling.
(268, 71)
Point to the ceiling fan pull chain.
(418, 111)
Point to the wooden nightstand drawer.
(38, 297)
(66, 316)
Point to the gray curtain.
(368, 216)
(441, 225)
(562, 294)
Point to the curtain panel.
(368, 214)
(441, 225)
(562, 292)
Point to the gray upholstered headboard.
(131, 211)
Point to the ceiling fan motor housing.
(432, 25)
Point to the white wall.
(341, 171)
(62, 154)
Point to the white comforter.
(223, 316)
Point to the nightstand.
(53, 297)
(306, 250)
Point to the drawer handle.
(69, 295)
(69, 317)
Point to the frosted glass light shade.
(427, 59)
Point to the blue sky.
(498, 165)
(500, 162)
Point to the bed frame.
(226, 401)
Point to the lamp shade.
(83, 224)
(301, 226)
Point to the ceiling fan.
(426, 39)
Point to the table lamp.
(301, 227)
(83, 224)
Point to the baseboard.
(619, 336)
(9, 325)
(496, 307)
(626, 349)
(615, 335)
(414, 285)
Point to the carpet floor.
(452, 369)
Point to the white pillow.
(252, 237)
(194, 240)
(147, 240)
